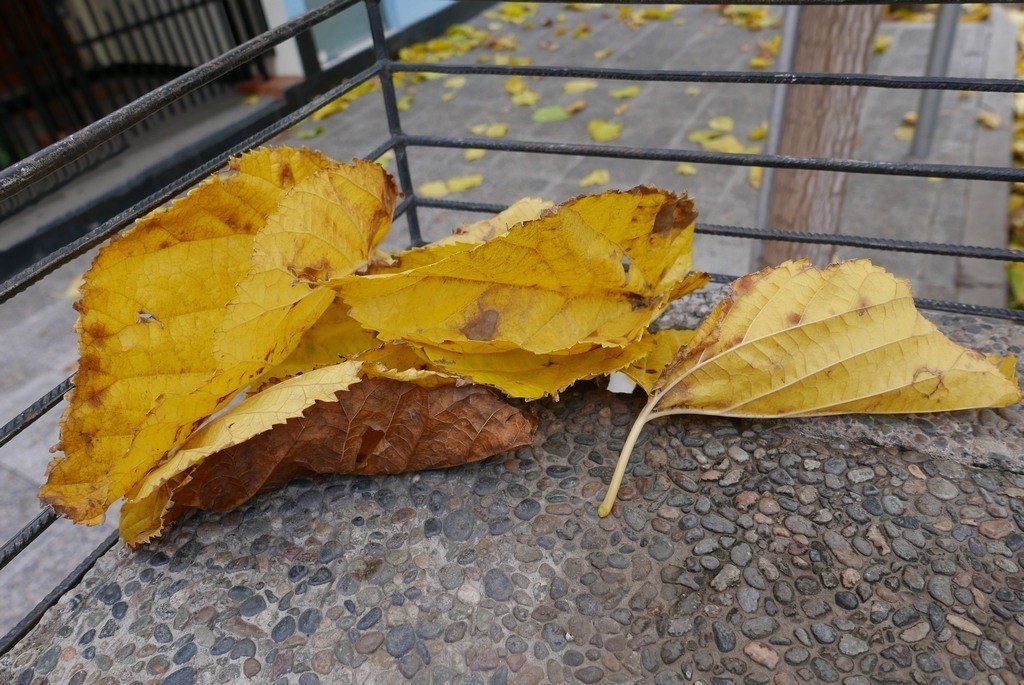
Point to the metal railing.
(66, 151)
(64, 66)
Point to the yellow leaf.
(1016, 277)
(975, 11)
(754, 176)
(663, 14)
(490, 130)
(623, 93)
(603, 131)
(546, 286)
(455, 82)
(506, 43)
(727, 143)
(473, 154)
(990, 120)
(882, 43)
(799, 341)
(143, 516)
(572, 277)
(401, 362)
(550, 114)
(575, 106)
(324, 228)
(621, 109)
(527, 98)
(686, 169)
(872, 351)
(404, 103)
(460, 184)
(770, 47)
(581, 31)
(692, 90)
(513, 60)
(603, 53)
(433, 189)
(465, 237)
(702, 135)
(904, 133)
(760, 62)
(722, 124)
(251, 100)
(597, 177)
(448, 97)
(150, 307)
(579, 86)
(515, 84)
(334, 337)
(646, 370)
(753, 17)
(343, 102)
(532, 376)
(760, 132)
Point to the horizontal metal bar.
(376, 152)
(74, 578)
(27, 277)
(857, 166)
(1015, 315)
(994, 85)
(24, 537)
(867, 242)
(34, 167)
(34, 411)
(403, 207)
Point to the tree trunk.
(820, 121)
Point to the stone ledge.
(831, 550)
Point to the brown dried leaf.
(376, 426)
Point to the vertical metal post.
(787, 51)
(387, 87)
(938, 65)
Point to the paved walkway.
(39, 351)
(740, 552)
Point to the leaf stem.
(627, 450)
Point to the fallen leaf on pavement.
(626, 92)
(990, 120)
(812, 342)
(722, 124)
(598, 177)
(603, 131)
(490, 130)
(579, 86)
(550, 114)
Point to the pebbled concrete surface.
(739, 552)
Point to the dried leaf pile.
(252, 331)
